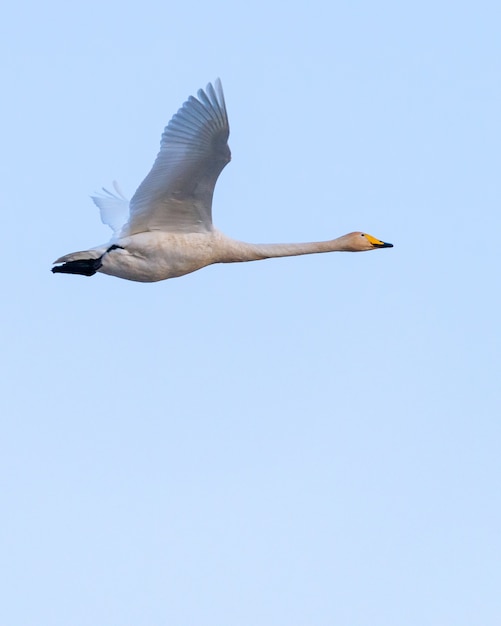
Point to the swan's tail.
(86, 263)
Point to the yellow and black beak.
(377, 243)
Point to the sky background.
(296, 442)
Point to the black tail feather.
(85, 267)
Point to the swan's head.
(360, 242)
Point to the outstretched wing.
(176, 195)
(114, 208)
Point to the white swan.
(169, 231)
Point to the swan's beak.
(377, 243)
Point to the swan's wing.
(176, 195)
(114, 208)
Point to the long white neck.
(242, 251)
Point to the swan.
(166, 229)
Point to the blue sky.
(300, 441)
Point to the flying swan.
(166, 229)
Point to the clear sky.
(295, 442)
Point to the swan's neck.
(242, 251)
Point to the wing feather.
(114, 208)
(176, 195)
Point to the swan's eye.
(362, 235)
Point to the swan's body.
(169, 231)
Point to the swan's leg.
(85, 267)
